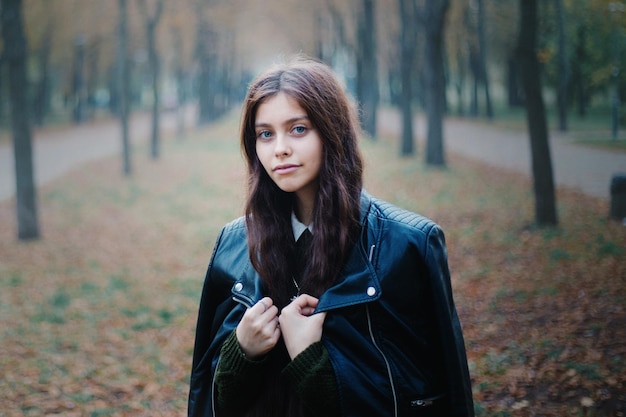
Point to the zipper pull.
(371, 254)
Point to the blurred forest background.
(72, 61)
(207, 50)
(73, 47)
(97, 313)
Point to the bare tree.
(482, 56)
(458, 46)
(15, 57)
(179, 75)
(432, 16)
(152, 22)
(367, 68)
(79, 91)
(93, 72)
(543, 181)
(205, 38)
(41, 102)
(123, 83)
(563, 66)
(408, 40)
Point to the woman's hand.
(299, 326)
(258, 331)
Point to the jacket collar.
(357, 284)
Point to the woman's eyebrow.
(286, 122)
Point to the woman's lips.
(286, 169)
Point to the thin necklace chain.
(305, 237)
(297, 288)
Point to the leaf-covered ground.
(97, 318)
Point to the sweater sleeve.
(236, 374)
(313, 377)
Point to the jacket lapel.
(358, 282)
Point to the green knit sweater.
(310, 376)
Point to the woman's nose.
(282, 146)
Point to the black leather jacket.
(392, 331)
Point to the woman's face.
(289, 147)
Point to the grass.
(97, 318)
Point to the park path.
(57, 151)
(578, 167)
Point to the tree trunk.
(563, 67)
(2, 88)
(367, 69)
(15, 57)
(482, 54)
(93, 72)
(153, 58)
(545, 206)
(512, 81)
(181, 97)
(123, 84)
(156, 97)
(41, 104)
(579, 78)
(459, 86)
(407, 48)
(78, 80)
(615, 76)
(433, 18)
(203, 40)
(474, 67)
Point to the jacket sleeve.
(310, 373)
(313, 378)
(457, 374)
(236, 378)
(216, 304)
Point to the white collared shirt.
(299, 227)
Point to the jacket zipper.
(393, 387)
(371, 254)
(213, 388)
(371, 331)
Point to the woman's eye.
(264, 134)
(299, 130)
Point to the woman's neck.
(304, 209)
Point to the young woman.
(323, 300)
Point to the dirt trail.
(575, 166)
(59, 150)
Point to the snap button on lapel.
(371, 291)
(238, 286)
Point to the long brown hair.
(336, 213)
